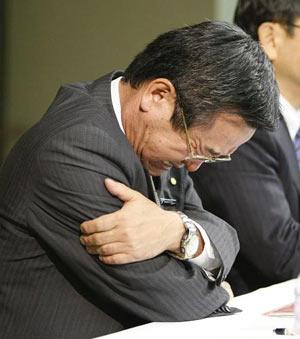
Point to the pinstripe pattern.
(50, 287)
(258, 193)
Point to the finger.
(227, 288)
(101, 224)
(94, 250)
(99, 239)
(117, 259)
(112, 249)
(107, 250)
(119, 190)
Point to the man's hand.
(140, 230)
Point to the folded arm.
(68, 189)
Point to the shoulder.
(261, 141)
(262, 149)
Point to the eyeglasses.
(193, 156)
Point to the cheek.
(288, 61)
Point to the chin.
(155, 172)
(155, 168)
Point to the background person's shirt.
(291, 117)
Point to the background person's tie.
(297, 146)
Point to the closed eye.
(213, 153)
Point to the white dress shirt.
(291, 117)
(209, 259)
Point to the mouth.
(161, 166)
(167, 164)
(178, 164)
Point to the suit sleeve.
(221, 234)
(68, 189)
(249, 194)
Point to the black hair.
(215, 67)
(250, 14)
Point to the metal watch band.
(189, 242)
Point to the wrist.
(175, 231)
(188, 241)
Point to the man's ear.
(270, 35)
(158, 94)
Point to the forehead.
(226, 132)
(223, 121)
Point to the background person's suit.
(50, 287)
(258, 193)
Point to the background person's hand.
(140, 230)
(227, 288)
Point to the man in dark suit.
(175, 106)
(259, 191)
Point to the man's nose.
(193, 165)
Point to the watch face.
(192, 246)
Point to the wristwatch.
(190, 240)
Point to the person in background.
(116, 151)
(258, 192)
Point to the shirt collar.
(115, 98)
(291, 116)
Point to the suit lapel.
(100, 91)
(284, 140)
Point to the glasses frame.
(193, 156)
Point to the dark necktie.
(297, 146)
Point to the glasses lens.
(223, 158)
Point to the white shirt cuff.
(209, 259)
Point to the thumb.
(119, 190)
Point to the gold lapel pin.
(173, 181)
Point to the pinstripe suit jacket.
(259, 194)
(50, 287)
